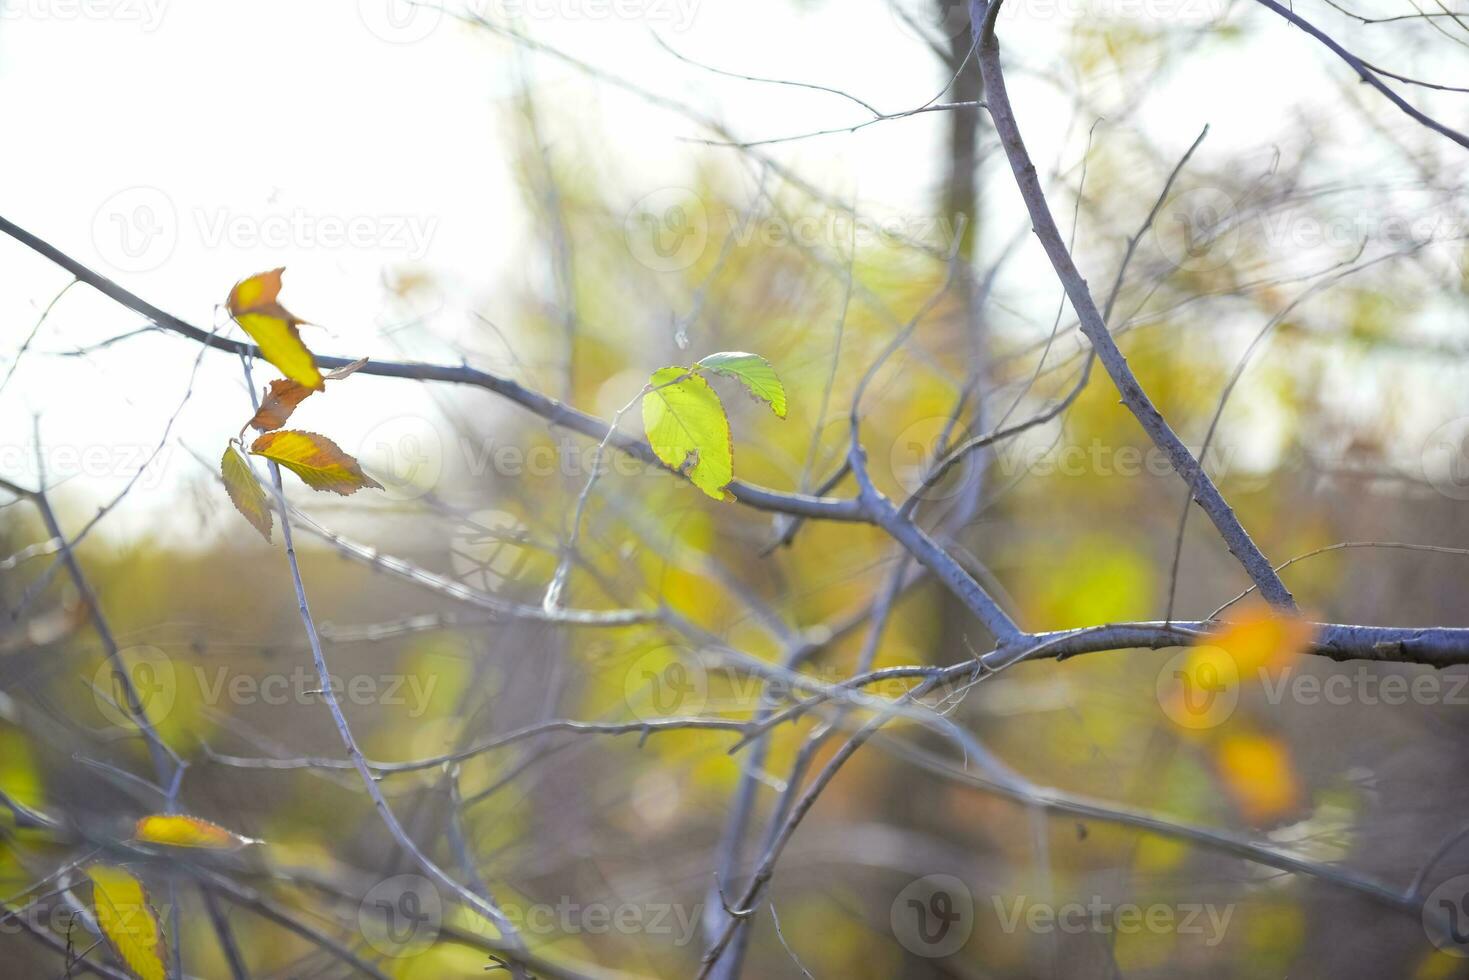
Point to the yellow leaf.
(126, 918)
(1258, 636)
(1254, 640)
(245, 491)
(253, 303)
(177, 830)
(1439, 965)
(688, 430)
(315, 459)
(1258, 772)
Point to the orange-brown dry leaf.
(279, 402)
(315, 459)
(178, 830)
(245, 491)
(284, 395)
(255, 306)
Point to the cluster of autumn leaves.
(683, 417)
(125, 913)
(318, 461)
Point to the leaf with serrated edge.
(245, 491)
(687, 428)
(752, 371)
(126, 917)
(253, 303)
(179, 830)
(278, 404)
(317, 460)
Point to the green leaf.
(687, 428)
(752, 371)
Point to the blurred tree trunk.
(961, 190)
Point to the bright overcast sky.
(178, 145)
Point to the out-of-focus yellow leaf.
(1254, 640)
(1438, 965)
(687, 428)
(178, 830)
(279, 402)
(1143, 951)
(1275, 932)
(20, 777)
(1158, 854)
(245, 491)
(127, 919)
(315, 459)
(442, 961)
(1258, 773)
(254, 305)
(1097, 578)
(1258, 636)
